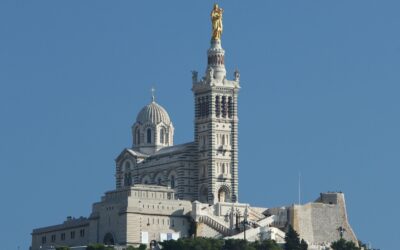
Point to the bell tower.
(216, 124)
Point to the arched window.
(207, 112)
(127, 174)
(217, 106)
(203, 107)
(127, 166)
(127, 179)
(162, 135)
(172, 181)
(223, 106)
(198, 113)
(137, 135)
(148, 135)
(204, 171)
(230, 107)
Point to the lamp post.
(245, 216)
(341, 231)
(238, 216)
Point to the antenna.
(299, 188)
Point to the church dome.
(153, 113)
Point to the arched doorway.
(224, 194)
(108, 239)
(221, 195)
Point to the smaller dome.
(153, 113)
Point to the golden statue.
(216, 20)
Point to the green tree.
(215, 244)
(173, 244)
(265, 245)
(342, 244)
(303, 245)
(237, 244)
(98, 246)
(140, 247)
(192, 244)
(293, 241)
(63, 248)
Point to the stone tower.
(216, 129)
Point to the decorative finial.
(152, 94)
(236, 74)
(216, 20)
(194, 76)
(210, 73)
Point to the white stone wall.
(111, 221)
(72, 236)
(126, 213)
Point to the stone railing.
(254, 214)
(211, 222)
(266, 221)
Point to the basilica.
(166, 191)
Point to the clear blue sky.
(320, 95)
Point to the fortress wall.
(318, 222)
(326, 220)
(302, 217)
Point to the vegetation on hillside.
(342, 244)
(217, 244)
(293, 241)
(63, 248)
(98, 247)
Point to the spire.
(216, 54)
(153, 90)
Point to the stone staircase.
(213, 221)
(266, 221)
(262, 230)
